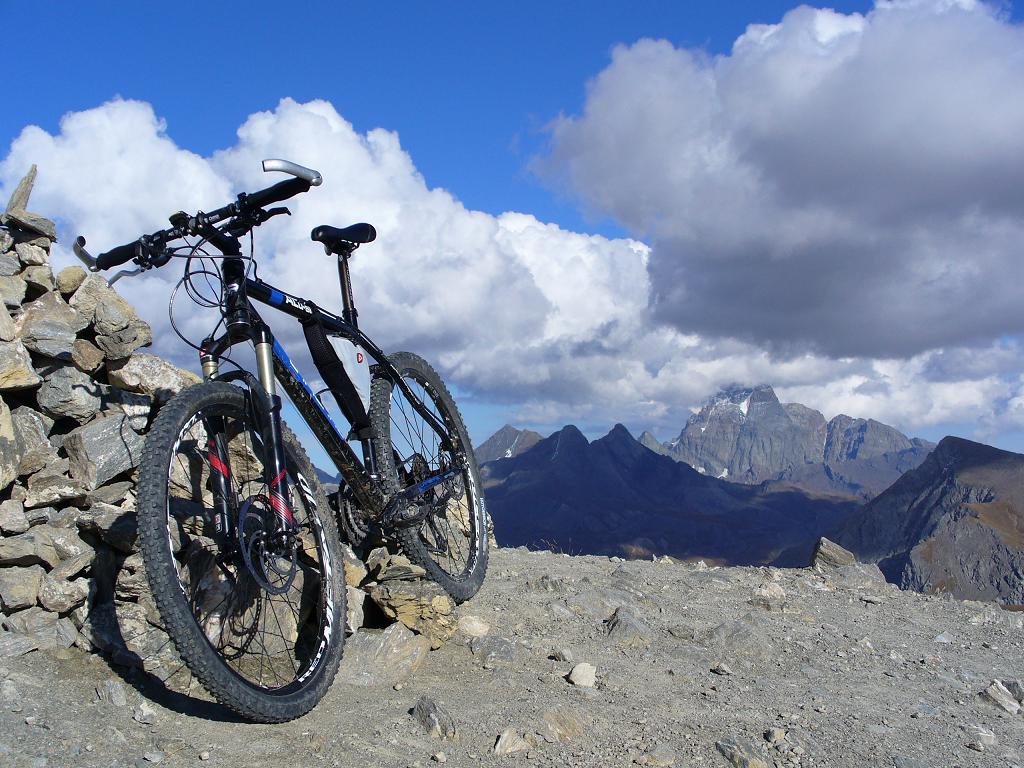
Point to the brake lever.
(125, 273)
(83, 255)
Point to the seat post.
(348, 311)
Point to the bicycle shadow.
(118, 639)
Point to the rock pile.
(76, 399)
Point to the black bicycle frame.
(245, 324)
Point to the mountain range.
(614, 496)
(770, 479)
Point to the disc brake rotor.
(266, 553)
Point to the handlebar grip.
(116, 256)
(275, 194)
(299, 171)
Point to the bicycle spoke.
(419, 455)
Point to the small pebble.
(583, 675)
(439, 757)
(204, 755)
(144, 714)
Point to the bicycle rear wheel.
(451, 541)
(258, 619)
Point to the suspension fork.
(220, 477)
(275, 463)
(266, 408)
(243, 324)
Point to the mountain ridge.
(953, 524)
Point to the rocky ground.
(694, 666)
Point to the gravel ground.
(694, 667)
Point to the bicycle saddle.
(341, 240)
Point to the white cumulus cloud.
(553, 325)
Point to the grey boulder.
(103, 449)
(67, 392)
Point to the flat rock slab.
(31, 221)
(13, 290)
(419, 605)
(382, 658)
(434, 719)
(31, 430)
(741, 755)
(67, 392)
(627, 630)
(19, 587)
(828, 554)
(117, 527)
(14, 644)
(150, 375)
(46, 490)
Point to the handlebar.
(146, 250)
(277, 193)
(115, 257)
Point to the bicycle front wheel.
(451, 541)
(257, 616)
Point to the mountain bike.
(240, 545)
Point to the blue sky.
(469, 87)
(522, 108)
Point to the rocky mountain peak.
(746, 435)
(506, 443)
(619, 433)
(622, 446)
(567, 442)
(735, 402)
(849, 439)
(958, 452)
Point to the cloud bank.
(753, 274)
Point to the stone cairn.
(76, 399)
